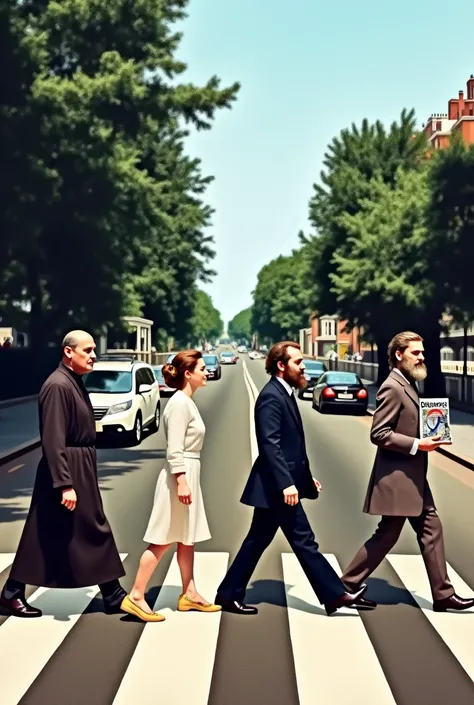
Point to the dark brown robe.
(62, 548)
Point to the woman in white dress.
(178, 514)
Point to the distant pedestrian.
(178, 514)
(398, 487)
(67, 541)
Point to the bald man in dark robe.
(67, 541)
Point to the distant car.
(314, 370)
(228, 358)
(213, 366)
(125, 396)
(256, 355)
(340, 390)
(170, 358)
(164, 389)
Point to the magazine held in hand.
(434, 419)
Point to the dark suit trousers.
(297, 530)
(429, 533)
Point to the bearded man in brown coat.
(67, 541)
(398, 487)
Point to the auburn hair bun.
(174, 372)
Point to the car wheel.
(137, 433)
(156, 421)
(300, 394)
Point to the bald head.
(74, 338)
(78, 348)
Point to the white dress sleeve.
(178, 422)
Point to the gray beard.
(414, 373)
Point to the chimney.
(453, 109)
(461, 103)
(470, 88)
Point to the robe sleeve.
(54, 413)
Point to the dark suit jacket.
(282, 459)
(398, 484)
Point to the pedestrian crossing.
(319, 645)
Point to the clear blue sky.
(308, 68)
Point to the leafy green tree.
(352, 161)
(281, 305)
(102, 212)
(206, 321)
(240, 327)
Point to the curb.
(19, 450)
(5, 403)
(460, 459)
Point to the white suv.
(125, 396)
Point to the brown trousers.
(429, 533)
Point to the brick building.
(459, 118)
(328, 333)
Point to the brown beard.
(413, 371)
(295, 380)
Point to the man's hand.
(69, 499)
(429, 444)
(291, 495)
(319, 486)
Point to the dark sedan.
(314, 370)
(340, 389)
(212, 366)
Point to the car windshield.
(158, 374)
(108, 382)
(210, 359)
(312, 366)
(227, 354)
(342, 378)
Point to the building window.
(329, 328)
(447, 353)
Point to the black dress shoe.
(348, 599)
(234, 606)
(17, 607)
(453, 603)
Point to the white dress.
(172, 521)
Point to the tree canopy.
(240, 327)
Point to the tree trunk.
(435, 383)
(383, 371)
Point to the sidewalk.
(462, 425)
(18, 427)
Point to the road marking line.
(6, 559)
(17, 467)
(253, 394)
(189, 635)
(323, 645)
(455, 629)
(38, 639)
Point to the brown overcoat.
(398, 484)
(59, 548)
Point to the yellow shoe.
(130, 607)
(185, 604)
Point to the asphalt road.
(290, 654)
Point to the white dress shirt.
(286, 385)
(414, 448)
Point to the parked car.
(256, 355)
(340, 390)
(314, 370)
(228, 358)
(212, 366)
(125, 396)
(163, 387)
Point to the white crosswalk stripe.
(182, 633)
(38, 639)
(456, 629)
(319, 644)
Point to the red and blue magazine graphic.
(435, 420)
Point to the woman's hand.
(184, 493)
